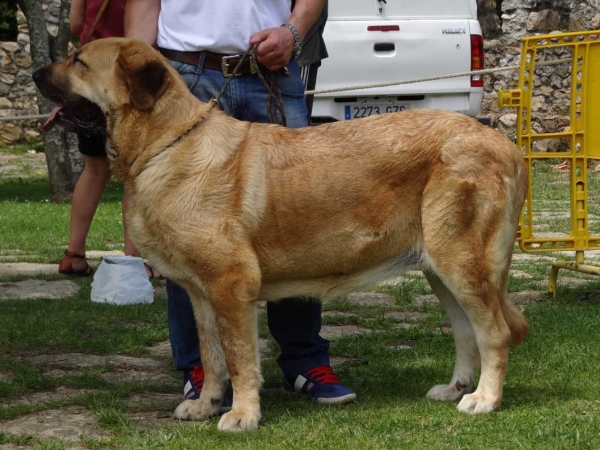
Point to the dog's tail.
(515, 320)
(517, 194)
(502, 245)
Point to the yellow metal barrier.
(583, 135)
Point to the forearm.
(305, 14)
(141, 20)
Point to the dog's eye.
(76, 60)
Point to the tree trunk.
(487, 15)
(62, 156)
(59, 44)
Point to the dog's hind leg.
(469, 230)
(213, 363)
(467, 353)
(480, 299)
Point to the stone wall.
(551, 99)
(519, 18)
(17, 91)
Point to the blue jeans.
(294, 323)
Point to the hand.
(275, 49)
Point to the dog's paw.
(477, 404)
(449, 392)
(195, 410)
(237, 421)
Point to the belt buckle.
(225, 65)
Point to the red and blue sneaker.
(322, 384)
(193, 381)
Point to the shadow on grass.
(408, 391)
(585, 294)
(24, 190)
(591, 295)
(379, 385)
(382, 387)
(530, 395)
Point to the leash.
(94, 24)
(231, 75)
(274, 101)
(275, 106)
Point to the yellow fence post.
(583, 135)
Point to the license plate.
(360, 110)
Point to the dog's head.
(101, 78)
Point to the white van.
(378, 41)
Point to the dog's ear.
(145, 75)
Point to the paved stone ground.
(34, 289)
(73, 424)
(28, 164)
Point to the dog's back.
(357, 199)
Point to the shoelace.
(323, 375)
(197, 378)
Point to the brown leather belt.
(215, 61)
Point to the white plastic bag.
(122, 280)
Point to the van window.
(399, 9)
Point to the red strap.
(74, 255)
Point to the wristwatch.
(297, 39)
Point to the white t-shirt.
(220, 26)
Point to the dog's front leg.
(213, 362)
(233, 298)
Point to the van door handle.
(385, 47)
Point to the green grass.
(21, 149)
(38, 229)
(76, 324)
(551, 393)
(550, 186)
(403, 293)
(551, 396)
(32, 327)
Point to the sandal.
(66, 265)
(562, 166)
(153, 274)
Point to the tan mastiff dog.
(238, 212)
